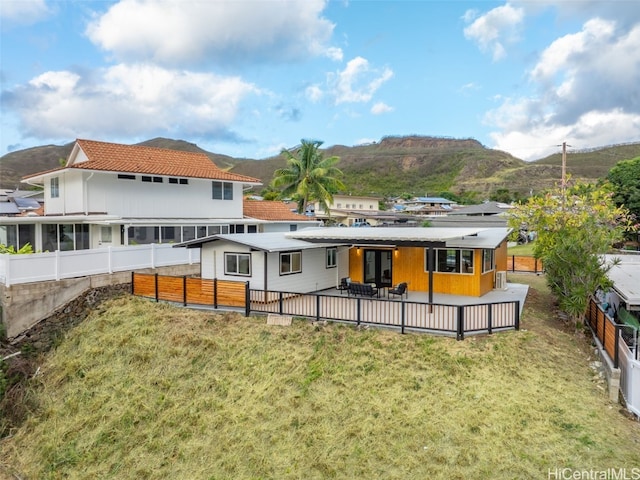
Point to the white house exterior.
(109, 194)
(272, 261)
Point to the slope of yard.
(150, 391)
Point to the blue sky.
(247, 78)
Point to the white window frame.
(331, 257)
(226, 190)
(238, 256)
(54, 185)
(492, 260)
(291, 255)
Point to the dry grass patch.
(146, 390)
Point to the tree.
(625, 178)
(572, 233)
(308, 176)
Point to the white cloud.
(314, 93)
(23, 12)
(129, 101)
(587, 88)
(593, 129)
(380, 108)
(495, 28)
(358, 82)
(174, 32)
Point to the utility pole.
(564, 174)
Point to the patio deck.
(513, 292)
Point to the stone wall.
(24, 305)
(42, 336)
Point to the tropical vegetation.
(309, 176)
(574, 227)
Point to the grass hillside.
(417, 165)
(151, 391)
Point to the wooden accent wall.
(409, 266)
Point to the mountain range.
(415, 165)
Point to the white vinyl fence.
(38, 267)
(629, 363)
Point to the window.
(157, 179)
(290, 262)
(452, 260)
(237, 264)
(252, 229)
(55, 187)
(339, 205)
(123, 176)
(293, 227)
(181, 181)
(222, 190)
(487, 260)
(332, 257)
(146, 178)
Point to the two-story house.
(110, 194)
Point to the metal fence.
(457, 320)
(524, 264)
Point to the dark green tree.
(308, 176)
(625, 178)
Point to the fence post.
(317, 307)
(215, 292)
(517, 314)
(604, 330)
(280, 303)
(247, 298)
(109, 262)
(617, 344)
(402, 318)
(156, 281)
(357, 311)
(184, 290)
(153, 255)
(57, 265)
(490, 317)
(460, 333)
(133, 278)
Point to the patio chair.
(344, 284)
(400, 289)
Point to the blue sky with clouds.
(247, 78)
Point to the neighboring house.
(457, 261)
(625, 276)
(351, 210)
(109, 194)
(427, 206)
(276, 216)
(484, 209)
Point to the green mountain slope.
(405, 164)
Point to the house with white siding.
(109, 194)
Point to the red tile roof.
(274, 211)
(114, 157)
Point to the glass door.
(378, 267)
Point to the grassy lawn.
(150, 391)
(524, 250)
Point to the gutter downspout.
(85, 200)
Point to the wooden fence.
(190, 291)
(518, 263)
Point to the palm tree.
(308, 176)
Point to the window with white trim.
(488, 260)
(290, 262)
(237, 264)
(222, 190)
(54, 183)
(332, 257)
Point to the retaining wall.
(23, 306)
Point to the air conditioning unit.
(501, 280)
